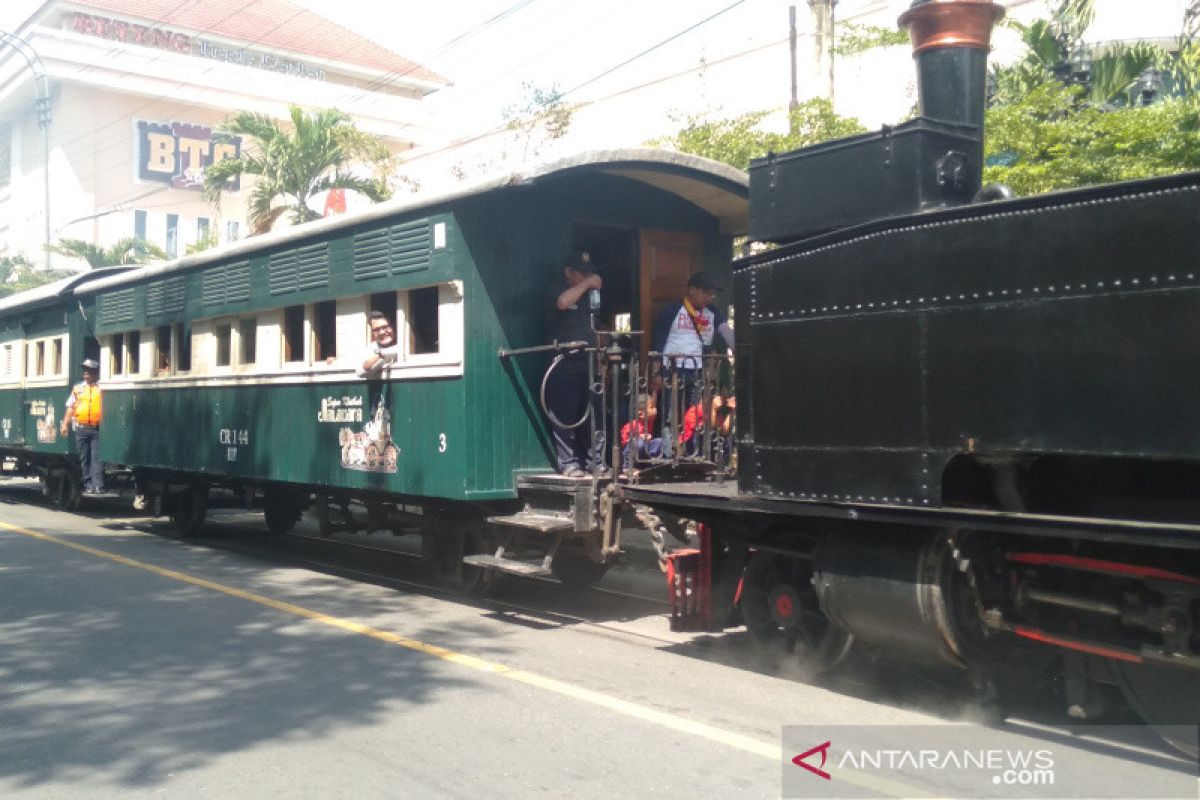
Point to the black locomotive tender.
(967, 423)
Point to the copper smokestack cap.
(936, 24)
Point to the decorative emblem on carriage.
(47, 430)
(372, 448)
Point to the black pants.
(87, 441)
(567, 397)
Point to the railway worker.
(85, 408)
(569, 319)
(384, 346)
(687, 331)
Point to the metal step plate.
(542, 523)
(523, 568)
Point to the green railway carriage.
(236, 367)
(44, 335)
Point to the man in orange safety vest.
(85, 407)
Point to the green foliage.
(18, 273)
(543, 116)
(1050, 140)
(316, 154)
(1064, 116)
(736, 140)
(853, 39)
(129, 250)
(207, 242)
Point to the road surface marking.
(663, 719)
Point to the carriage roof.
(717, 188)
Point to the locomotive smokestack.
(951, 39)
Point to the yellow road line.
(660, 718)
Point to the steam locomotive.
(967, 422)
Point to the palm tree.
(294, 165)
(129, 250)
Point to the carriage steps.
(525, 569)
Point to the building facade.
(111, 109)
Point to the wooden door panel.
(668, 259)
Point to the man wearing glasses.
(383, 346)
(684, 332)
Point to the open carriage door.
(667, 260)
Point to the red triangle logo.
(823, 749)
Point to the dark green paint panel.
(292, 432)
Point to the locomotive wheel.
(1163, 696)
(188, 508)
(578, 571)
(781, 611)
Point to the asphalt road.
(133, 664)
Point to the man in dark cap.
(569, 309)
(85, 408)
(686, 331)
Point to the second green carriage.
(236, 367)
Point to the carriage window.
(293, 334)
(385, 303)
(247, 341)
(224, 336)
(8, 363)
(423, 320)
(162, 350)
(324, 327)
(56, 364)
(116, 354)
(183, 343)
(37, 359)
(134, 345)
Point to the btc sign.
(177, 152)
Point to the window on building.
(139, 224)
(183, 346)
(162, 351)
(133, 343)
(201, 228)
(324, 326)
(247, 341)
(116, 354)
(232, 232)
(423, 320)
(172, 235)
(293, 334)
(224, 336)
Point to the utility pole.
(822, 18)
(795, 102)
